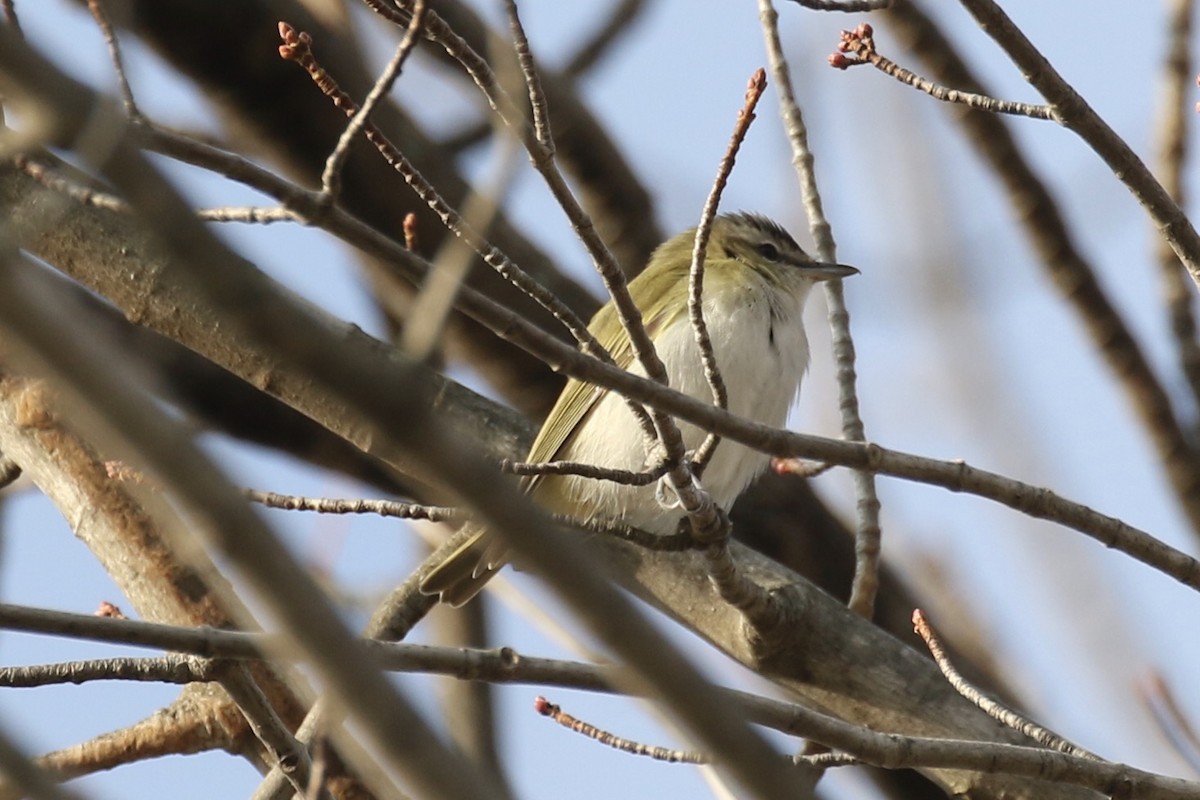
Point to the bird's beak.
(818, 271)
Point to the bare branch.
(331, 181)
(170, 668)
(861, 42)
(328, 505)
(712, 372)
(275, 736)
(547, 709)
(52, 179)
(533, 83)
(254, 215)
(622, 476)
(96, 7)
(993, 708)
(430, 312)
(868, 535)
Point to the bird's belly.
(762, 373)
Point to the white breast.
(762, 353)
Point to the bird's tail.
(464, 572)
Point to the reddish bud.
(108, 609)
(839, 61)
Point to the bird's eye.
(768, 251)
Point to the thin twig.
(658, 542)
(712, 371)
(392, 508)
(828, 760)
(291, 756)
(867, 535)
(328, 505)
(56, 181)
(533, 83)
(96, 7)
(676, 542)
(1174, 116)
(861, 42)
(331, 177)
(170, 668)
(253, 215)
(994, 709)
(547, 709)
(320, 758)
(621, 476)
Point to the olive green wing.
(463, 573)
(579, 399)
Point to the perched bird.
(756, 281)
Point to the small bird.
(756, 281)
